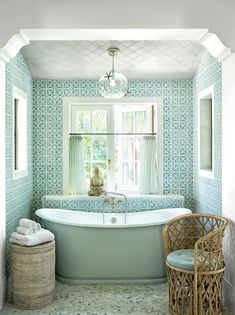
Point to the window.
(112, 137)
(206, 132)
(94, 122)
(130, 120)
(20, 136)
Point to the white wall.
(228, 133)
(228, 174)
(217, 16)
(2, 185)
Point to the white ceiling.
(89, 59)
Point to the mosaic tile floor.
(103, 300)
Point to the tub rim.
(42, 213)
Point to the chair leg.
(195, 295)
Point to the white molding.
(13, 46)
(114, 34)
(214, 45)
(209, 40)
(228, 132)
(2, 183)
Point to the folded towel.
(29, 224)
(24, 230)
(42, 236)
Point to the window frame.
(20, 95)
(68, 102)
(209, 91)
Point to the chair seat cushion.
(182, 258)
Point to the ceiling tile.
(89, 59)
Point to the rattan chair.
(195, 289)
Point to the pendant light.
(113, 85)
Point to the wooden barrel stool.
(33, 275)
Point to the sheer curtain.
(76, 166)
(149, 183)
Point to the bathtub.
(90, 248)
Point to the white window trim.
(70, 101)
(19, 94)
(201, 95)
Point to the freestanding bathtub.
(92, 249)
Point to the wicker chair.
(195, 289)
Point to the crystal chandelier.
(113, 85)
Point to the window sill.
(19, 174)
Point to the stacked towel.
(30, 233)
(40, 237)
(27, 227)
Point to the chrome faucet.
(111, 198)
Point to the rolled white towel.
(27, 223)
(30, 224)
(24, 230)
(37, 227)
(42, 236)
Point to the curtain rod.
(113, 134)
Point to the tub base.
(111, 281)
(91, 250)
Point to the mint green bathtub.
(92, 249)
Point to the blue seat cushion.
(182, 258)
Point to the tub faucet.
(113, 199)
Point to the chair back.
(201, 232)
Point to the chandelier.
(112, 84)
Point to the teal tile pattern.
(208, 192)
(19, 192)
(94, 204)
(178, 131)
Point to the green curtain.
(149, 183)
(76, 166)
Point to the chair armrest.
(208, 255)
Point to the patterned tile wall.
(95, 204)
(207, 192)
(19, 192)
(177, 123)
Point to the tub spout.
(113, 200)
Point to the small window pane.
(137, 172)
(128, 122)
(83, 121)
(128, 148)
(88, 173)
(100, 148)
(99, 121)
(87, 148)
(128, 172)
(138, 143)
(141, 121)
